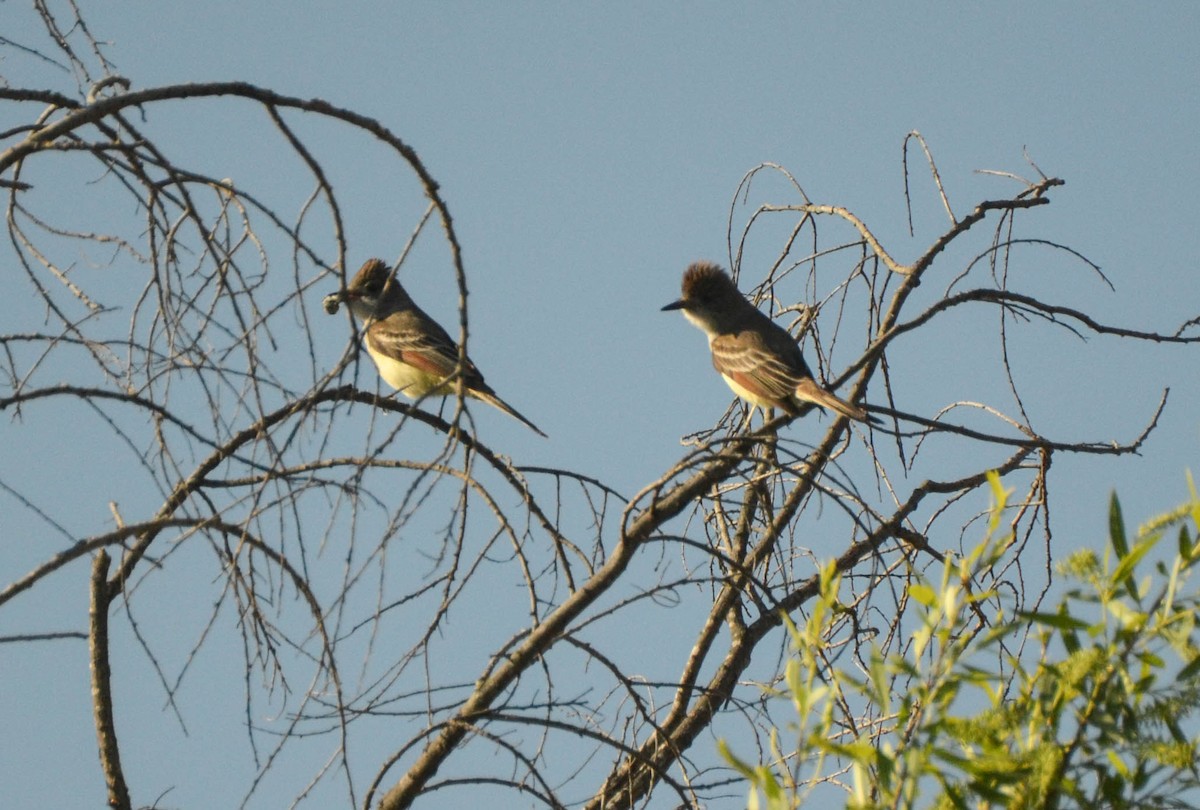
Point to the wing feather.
(422, 344)
(744, 358)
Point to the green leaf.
(1124, 571)
(1129, 618)
(744, 768)
(880, 682)
(1071, 642)
(1116, 527)
(920, 638)
(923, 594)
(1062, 621)
(1188, 547)
(999, 502)
(1189, 671)
(1151, 660)
(1195, 504)
(772, 789)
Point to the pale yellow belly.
(408, 380)
(749, 396)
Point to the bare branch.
(102, 705)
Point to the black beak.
(680, 304)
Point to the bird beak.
(680, 304)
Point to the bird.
(413, 353)
(757, 357)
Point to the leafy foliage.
(1093, 716)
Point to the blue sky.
(588, 153)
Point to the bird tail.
(809, 391)
(491, 399)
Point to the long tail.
(491, 399)
(809, 391)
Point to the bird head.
(374, 292)
(710, 297)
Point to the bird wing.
(423, 344)
(762, 370)
(413, 338)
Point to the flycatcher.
(759, 360)
(413, 353)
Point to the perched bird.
(413, 353)
(759, 360)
